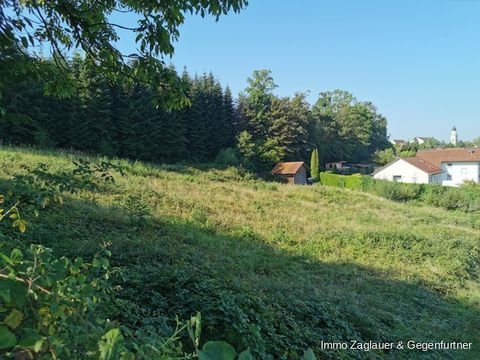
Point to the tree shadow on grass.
(250, 292)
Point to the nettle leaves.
(64, 300)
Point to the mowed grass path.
(274, 267)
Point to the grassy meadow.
(274, 267)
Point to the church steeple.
(454, 136)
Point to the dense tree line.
(274, 129)
(126, 120)
(120, 120)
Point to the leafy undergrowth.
(272, 267)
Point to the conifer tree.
(230, 123)
(197, 130)
(215, 116)
(315, 165)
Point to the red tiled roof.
(439, 156)
(288, 168)
(423, 165)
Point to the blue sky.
(418, 61)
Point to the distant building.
(449, 167)
(454, 136)
(398, 142)
(292, 172)
(420, 140)
(336, 165)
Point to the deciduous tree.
(63, 26)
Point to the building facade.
(449, 167)
(294, 172)
(409, 170)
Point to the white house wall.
(407, 172)
(459, 172)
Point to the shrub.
(330, 179)
(353, 182)
(387, 189)
(367, 183)
(398, 191)
(227, 157)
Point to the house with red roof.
(449, 167)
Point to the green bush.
(354, 181)
(465, 198)
(397, 191)
(227, 157)
(367, 183)
(390, 190)
(330, 179)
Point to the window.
(449, 164)
(397, 178)
(464, 171)
(449, 177)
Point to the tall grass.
(274, 267)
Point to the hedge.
(465, 198)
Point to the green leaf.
(6, 259)
(110, 345)
(7, 338)
(14, 319)
(13, 293)
(59, 270)
(101, 263)
(21, 224)
(217, 350)
(16, 255)
(31, 340)
(245, 355)
(309, 355)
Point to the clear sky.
(418, 61)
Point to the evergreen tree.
(197, 130)
(315, 165)
(230, 119)
(124, 119)
(95, 127)
(133, 124)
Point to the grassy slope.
(285, 267)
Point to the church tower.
(454, 137)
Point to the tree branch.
(27, 282)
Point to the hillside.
(274, 267)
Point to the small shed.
(294, 172)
